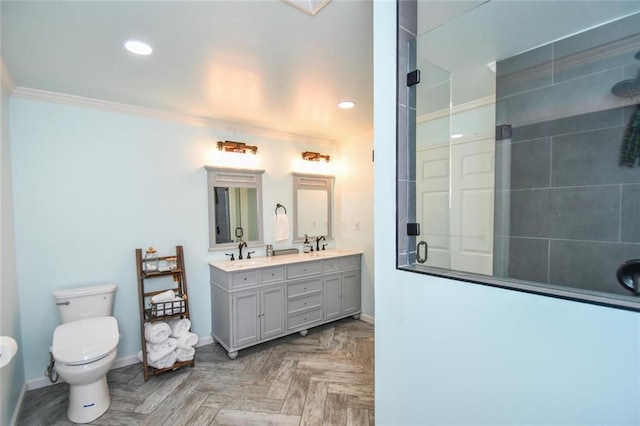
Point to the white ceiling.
(264, 63)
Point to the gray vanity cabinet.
(341, 295)
(257, 315)
(255, 304)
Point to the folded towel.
(156, 332)
(187, 340)
(165, 362)
(282, 227)
(166, 346)
(158, 351)
(179, 326)
(165, 296)
(185, 354)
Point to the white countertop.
(285, 259)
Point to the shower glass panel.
(527, 148)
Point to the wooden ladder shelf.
(150, 313)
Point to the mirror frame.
(234, 178)
(314, 182)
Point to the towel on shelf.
(157, 351)
(165, 296)
(187, 340)
(165, 362)
(156, 332)
(282, 227)
(179, 327)
(185, 354)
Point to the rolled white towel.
(158, 351)
(165, 296)
(166, 362)
(179, 327)
(185, 354)
(139, 355)
(187, 340)
(156, 332)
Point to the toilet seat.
(85, 341)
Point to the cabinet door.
(332, 292)
(350, 292)
(246, 319)
(272, 301)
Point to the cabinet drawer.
(297, 303)
(270, 275)
(304, 318)
(350, 262)
(244, 279)
(302, 287)
(303, 269)
(331, 265)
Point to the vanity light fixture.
(138, 47)
(231, 146)
(315, 156)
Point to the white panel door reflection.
(455, 190)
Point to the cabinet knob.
(305, 303)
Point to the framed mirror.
(313, 200)
(235, 207)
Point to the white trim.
(18, 408)
(80, 101)
(457, 109)
(7, 82)
(367, 318)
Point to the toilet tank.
(75, 304)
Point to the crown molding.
(477, 103)
(219, 125)
(7, 82)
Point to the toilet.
(84, 348)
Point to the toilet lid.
(84, 341)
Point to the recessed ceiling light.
(138, 47)
(346, 104)
(457, 136)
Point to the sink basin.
(248, 263)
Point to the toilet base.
(88, 402)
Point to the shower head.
(626, 88)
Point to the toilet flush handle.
(63, 303)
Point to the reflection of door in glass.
(223, 223)
(454, 177)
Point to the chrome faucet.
(318, 239)
(242, 244)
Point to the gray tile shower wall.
(570, 209)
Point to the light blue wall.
(90, 186)
(12, 375)
(449, 352)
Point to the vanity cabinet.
(253, 302)
(258, 315)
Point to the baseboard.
(16, 411)
(118, 363)
(367, 318)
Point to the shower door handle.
(422, 252)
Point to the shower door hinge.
(413, 78)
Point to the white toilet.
(84, 348)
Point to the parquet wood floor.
(324, 378)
